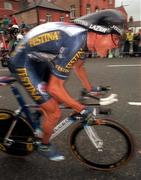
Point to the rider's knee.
(51, 108)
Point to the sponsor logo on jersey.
(27, 83)
(77, 56)
(61, 69)
(43, 38)
(70, 64)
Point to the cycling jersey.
(48, 48)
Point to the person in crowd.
(137, 43)
(1, 24)
(1, 45)
(45, 57)
(12, 34)
(13, 20)
(128, 46)
(6, 22)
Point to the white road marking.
(135, 103)
(125, 65)
(128, 65)
(3, 69)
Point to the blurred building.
(39, 11)
(123, 11)
(81, 7)
(9, 7)
(134, 25)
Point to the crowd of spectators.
(11, 31)
(130, 43)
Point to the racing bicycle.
(101, 144)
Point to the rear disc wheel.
(21, 138)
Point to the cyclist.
(13, 32)
(48, 52)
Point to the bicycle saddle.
(5, 80)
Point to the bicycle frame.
(24, 109)
(64, 124)
(19, 141)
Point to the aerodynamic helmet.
(108, 21)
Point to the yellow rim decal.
(29, 145)
(2, 148)
(4, 116)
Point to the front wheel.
(117, 145)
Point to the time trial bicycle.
(101, 144)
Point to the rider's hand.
(87, 113)
(97, 90)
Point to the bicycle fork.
(94, 138)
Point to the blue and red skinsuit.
(48, 48)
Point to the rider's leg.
(51, 114)
(33, 78)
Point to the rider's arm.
(57, 90)
(82, 75)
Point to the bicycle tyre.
(82, 148)
(22, 134)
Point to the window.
(97, 9)
(110, 1)
(8, 5)
(88, 9)
(49, 18)
(62, 19)
(72, 11)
